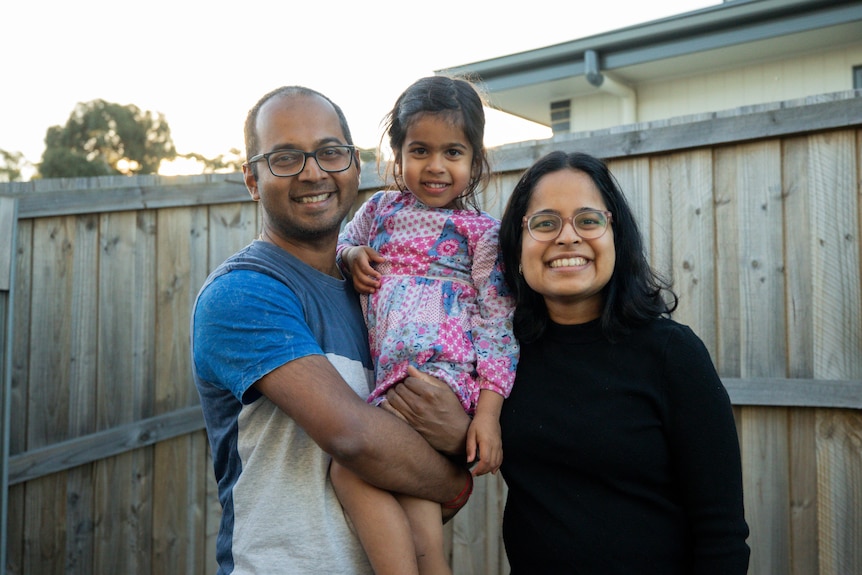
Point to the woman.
(620, 448)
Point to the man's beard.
(290, 228)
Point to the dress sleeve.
(496, 348)
(357, 232)
(706, 458)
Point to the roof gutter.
(730, 23)
(609, 84)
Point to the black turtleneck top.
(621, 458)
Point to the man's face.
(312, 204)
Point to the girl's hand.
(484, 438)
(484, 442)
(358, 260)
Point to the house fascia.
(718, 27)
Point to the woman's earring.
(520, 270)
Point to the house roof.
(728, 35)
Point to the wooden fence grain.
(754, 214)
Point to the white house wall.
(818, 73)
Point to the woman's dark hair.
(455, 99)
(634, 294)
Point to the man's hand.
(432, 409)
(359, 259)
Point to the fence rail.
(845, 394)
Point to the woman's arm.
(706, 458)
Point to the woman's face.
(569, 272)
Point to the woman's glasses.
(547, 226)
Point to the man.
(281, 362)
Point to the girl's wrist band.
(461, 499)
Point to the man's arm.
(432, 409)
(378, 447)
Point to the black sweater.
(621, 458)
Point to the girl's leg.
(426, 523)
(379, 521)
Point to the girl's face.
(569, 272)
(436, 160)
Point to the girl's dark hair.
(459, 101)
(635, 292)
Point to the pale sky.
(204, 64)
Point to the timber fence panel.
(79, 374)
(837, 313)
(476, 548)
(661, 217)
(764, 433)
(804, 550)
(756, 218)
(693, 241)
(633, 176)
(50, 385)
(728, 352)
(126, 336)
(179, 509)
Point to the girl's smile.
(436, 160)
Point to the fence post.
(8, 236)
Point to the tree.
(230, 162)
(11, 164)
(102, 138)
(368, 154)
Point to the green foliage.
(368, 155)
(230, 162)
(101, 138)
(10, 165)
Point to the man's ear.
(249, 175)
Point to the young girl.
(428, 263)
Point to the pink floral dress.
(443, 304)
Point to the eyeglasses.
(547, 226)
(286, 163)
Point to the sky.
(204, 64)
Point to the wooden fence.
(755, 214)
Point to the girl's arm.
(357, 232)
(497, 350)
(484, 436)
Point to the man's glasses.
(286, 163)
(547, 226)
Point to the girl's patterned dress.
(443, 304)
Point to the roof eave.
(724, 25)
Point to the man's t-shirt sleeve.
(246, 324)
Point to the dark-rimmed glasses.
(547, 226)
(286, 163)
